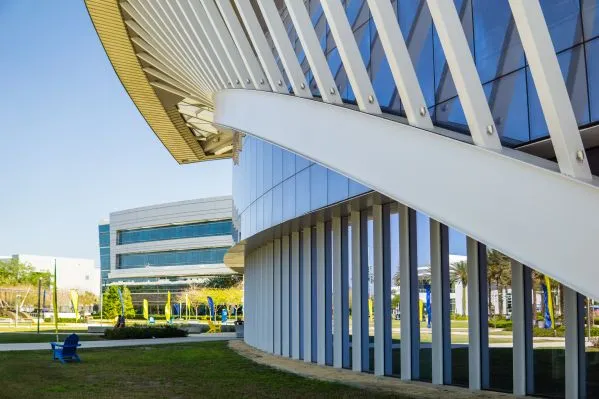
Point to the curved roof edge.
(167, 123)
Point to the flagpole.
(55, 303)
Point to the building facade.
(166, 247)
(374, 139)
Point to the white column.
(285, 344)
(441, 356)
(523, 365)
(382, 289)
(295, 295)
(337, 298)
(277, 296)
(307, 294)
(269, 297)
(575, 349)
(320, 293)
(408, 273)
(360, 341)
(478, 348)
(247, 307)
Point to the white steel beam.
(198, 38)
(523, 364)
(307, 292)
(467, 208)
(295, 295)
(243, 45)
(228, 45)
(285, 296)
(464, 74)
(277, 300)
(350, 56)
(321, 312)
(263, 50)
(284, 49)
(400, 64)
(550, 85)
(201, 22)
(318, 62)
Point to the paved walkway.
(407, 389)
(123, 342)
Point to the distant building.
(165, 247)
(72, 273)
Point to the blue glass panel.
(105, 251)
(356, 188)
(302, 192)
(301, 163)
(268, 210)
(173, 258)
(451, 115)
(498, 47)
(277, 204)
(563, 19)
(416, 25)
(444, 86)
(260, 214)
(259, 168)
(253, 218)
(507, 99)
(357, 13)
(104, 228)
(362, 36)
(288, 164)
(590, 18)
(251, 154)
(277, 165)
(319, 22)
(593, 71)
(105, 239)
(336, 67)
(289, 198)
(318, 186)
(573, 67)
(338, 187)
(206, 229)
(380, 72)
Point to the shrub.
(500, 323)
(141, 332)
(459, 317)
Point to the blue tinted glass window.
(362, 36)
(319, 22)
(356, 188)
(205, 229)
(302, 192)
(593, 71)
(318, 186)
(337, 187)
(301, 163)
(380, 72)
(498, 47)
(253, 218)
(267, 165)
(563, 20)
(573, 67)
(252, 167)
(259, 168)
(260, 214)
(289, 198)
(288, 164)
(590, 18)
(416, 26)
(444, 86)
(357, 13)
(451, 115)
(277, 204)
(507, 99)
(104, 239)
(267, 210)
(336, 67)
(104, 228)
(277, 165)
(172, 258)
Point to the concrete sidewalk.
(123, 342)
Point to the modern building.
(166, 247)
(388, 133)
(72, 273)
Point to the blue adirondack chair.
(67, 351)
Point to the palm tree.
(458, 273)
(498, 271)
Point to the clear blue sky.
(73, 145)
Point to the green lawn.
(208, 369)
(20, 337)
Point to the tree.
(498, 271)
(13, 272)
(458, 273)
(112, 304)
(87, 299)
(223, 281)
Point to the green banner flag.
(146, 309)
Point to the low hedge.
(141, 332)
(501, 323)
(558, 332)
